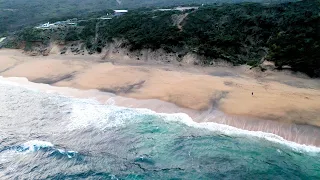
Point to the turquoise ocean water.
(48, 136)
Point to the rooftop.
(121, 11)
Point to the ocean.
(50, 136)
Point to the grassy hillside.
(15, 14)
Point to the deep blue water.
(46, 136)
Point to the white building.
(163, 9)
(45, 26)
(179, 9)
(186, 8)
(120, 12)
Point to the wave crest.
(35, 146)
(233, 131)
(91, 113)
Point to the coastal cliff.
(246, 33)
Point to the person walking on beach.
(252, 93)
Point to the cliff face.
(40, 49)
(116, 51)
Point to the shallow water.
(48, 136)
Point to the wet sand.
(278, 98)
(302, 134)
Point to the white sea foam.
(25, 148)
(12, 82)
(91, 113)
(233, 131)
(110, 102)
(34, 145)
(70, 154)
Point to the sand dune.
(227, 89)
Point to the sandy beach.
(277, 96)
(283, 104)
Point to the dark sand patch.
(215, 101)
(228, 83)
(296, 84)
(186, 86)
(7, 69)
(53, 80)
(223, 74)
(125, 89)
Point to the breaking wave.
(90, 113)
(34, 146)
(49, 136)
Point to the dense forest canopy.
(246, 33)
(15, 14)
(241, 33)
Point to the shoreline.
(216, 94)
(302, 136)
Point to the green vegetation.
(246, 33)
(15, 14)
(152, 30)
(296, 42)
